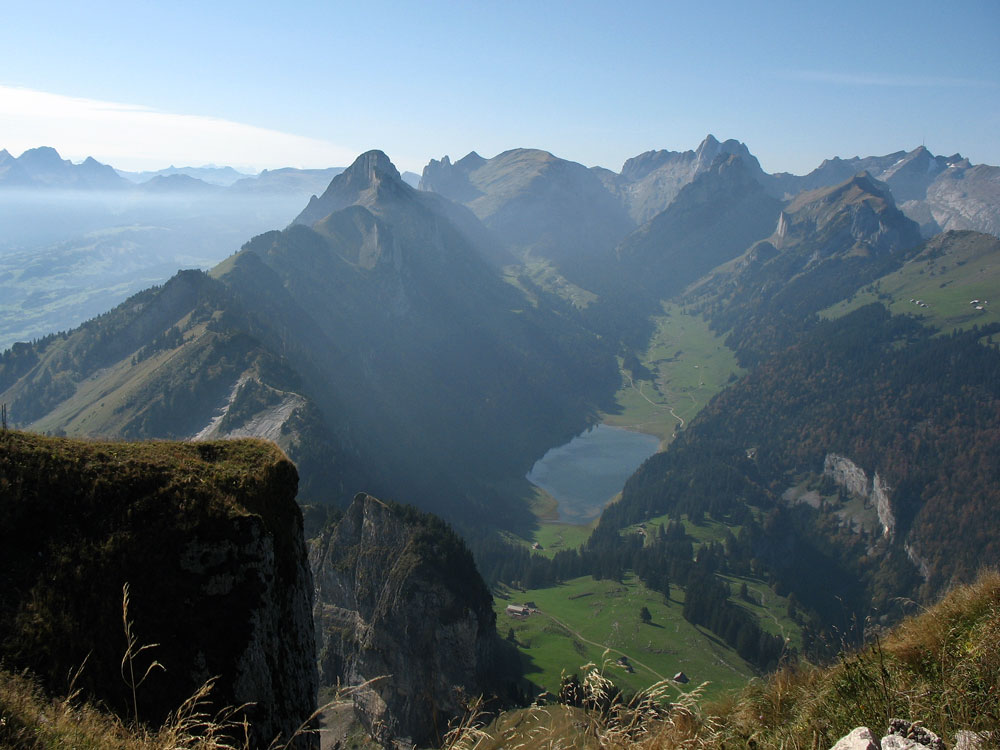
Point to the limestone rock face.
(209, 539)
(859, 739)
(401, 611)
(877, 492)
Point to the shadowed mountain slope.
(712, 219)
(539, 206)
(376, 346)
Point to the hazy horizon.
(261, 87)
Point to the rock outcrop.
(404, 618)
(900, 735)
(847, 474)
(209, 538)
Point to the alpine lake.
(586, 473)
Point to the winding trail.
(560, 623)
(631, 384)
(763, 601)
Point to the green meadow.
(587, 621)
(686, 364)
(939, 286)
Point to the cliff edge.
(209, 538)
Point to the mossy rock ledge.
(209, 538)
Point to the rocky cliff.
(209, 538)
(401, 611)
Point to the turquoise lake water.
(589, 470)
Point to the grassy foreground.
(941, 668)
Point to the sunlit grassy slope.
(941, 668)
(598, 621)
(944, 285)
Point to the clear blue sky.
(313, 83)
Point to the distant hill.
(178, 183)
(222, 176)
(287, 180)
(43, 168)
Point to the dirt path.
(631, 384)
(763, 601)
(633, 660)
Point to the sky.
(142, 84)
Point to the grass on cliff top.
(224, 470)
(941, 668)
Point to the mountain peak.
(371, 175)
(371, 167)
(863, 180)
(470, 161)
(43, 156)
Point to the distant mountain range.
(937, 192)
(223, 176)
(575, 209)
(43, 169)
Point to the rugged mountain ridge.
(649, 183)
(826, 244)
(403, 616)
(712, 219)
(938, 192)
(43, 168)
(209, 539)
(352, 338)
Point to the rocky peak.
(710, 149)
(452, 180)
(639, 166)
(650, 182)
(372, 176)
(858, 215)
(369, 168)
